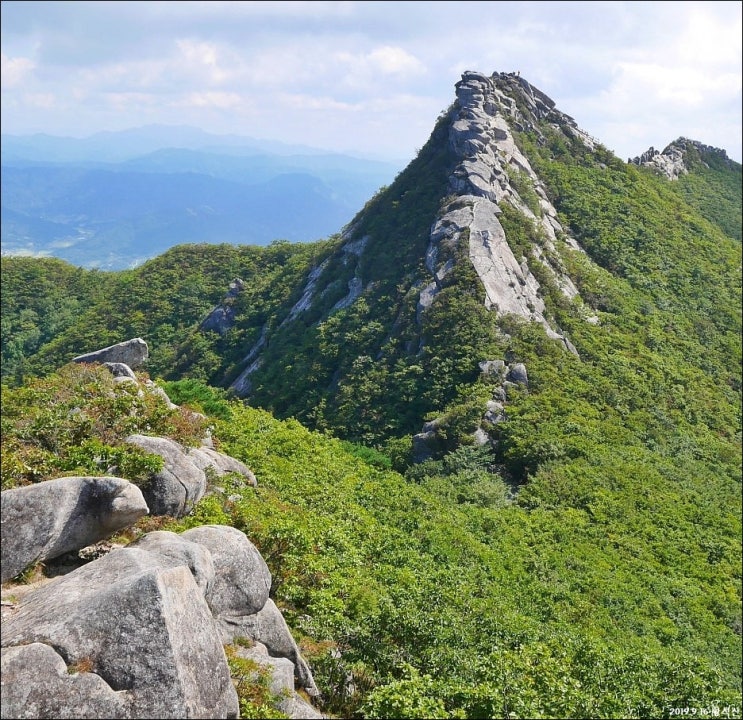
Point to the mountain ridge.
(464, 517)
(475, 225)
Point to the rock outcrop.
(488, 172)
(140, 632)
(136, 631)
(673, 162)
(269, 628)
(242, 579)
(131, 352)
(182, 482)
(46, 520)
(144, 629)
(505, 378)
(220, 464)
(492, 171)
(282, 682)
(36, 683)
(222, 317)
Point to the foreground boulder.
(174, 550)
(145, 629)
(269, 628)
(46, 520)
(36, 683)
(131, 352)
(139, 632)
(242, 578)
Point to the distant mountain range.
(114, 199)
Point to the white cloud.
(201, 59)
(25, 252)
(709, 39)
(678, 88)
(40, 101)
(123, 101)
(299, 102)
(394, 61)
(378, 71)
(626, 71)
(212, 99)
(14, 71)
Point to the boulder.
(423, 444)
(131, 352)
(206, 457)
(120, 370)
(36, 684)
(480, 437)
(517, 374)
(220, 320)
(175, 551)
(269, 628)
(43, 521)
(297, 707)
(281, 684)
(222, 317)
(141, 627)
(281, 669)
(492, 368)
(495, 412)
(176, 488)
(242, 578)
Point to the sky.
(369, 78)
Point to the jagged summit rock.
(673, 161)
(490, 169)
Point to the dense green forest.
(609, 587)
(584, 562)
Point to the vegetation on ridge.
(608, 588)
(584, 563)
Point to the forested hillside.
(576, 553)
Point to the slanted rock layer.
(484, 179)
(489, 172)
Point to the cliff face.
(490, 168)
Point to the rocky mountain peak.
(674, 160)
(485, 175)
(491, 171)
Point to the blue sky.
(369, 78)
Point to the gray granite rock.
(141, 627)
(131, 352)
(43, 521)
(176, 488)
(242, 578)
(36, 684)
